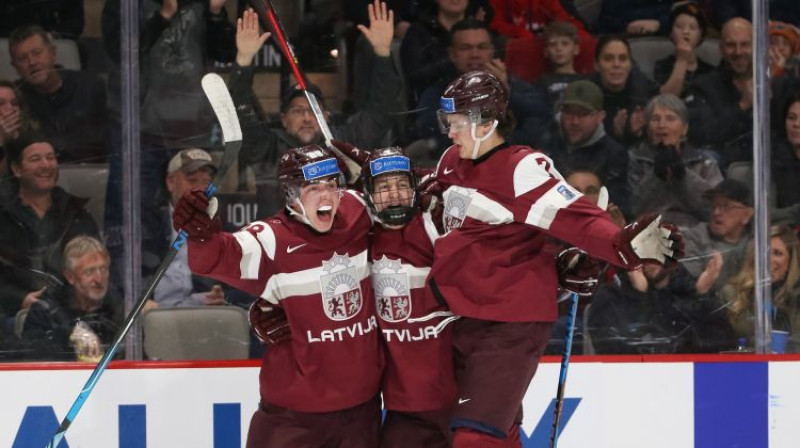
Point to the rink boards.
(654, 402)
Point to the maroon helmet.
(304, 165)
(478, 94)
(384, 161)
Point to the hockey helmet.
(381, 162)
(304, 165)
(477, 94)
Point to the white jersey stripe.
(481, 207)
(307, 282)
(430, 227)
(529, 175)
(251, 255)
(543, 211)
(416, 276)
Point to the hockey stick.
(217, 93)
(268, 15)
(562, 375)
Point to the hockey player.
(321, 389)
(500, 202)
(418, 383)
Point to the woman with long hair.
(784, 265)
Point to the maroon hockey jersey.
(419, 365)
(498, 209)
(335, 359)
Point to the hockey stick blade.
(221, 102)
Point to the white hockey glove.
(649, 240)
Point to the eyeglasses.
(728, 206)
(300, 111)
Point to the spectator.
(263, 145)
(81, 319)
(36, 219)
(721, 102)
(666, 174)
(663, 315)
(560, 49)
(471, 48)
(178, 41)
(786, 154)
(423, 51)
(13, 120)
(715, 249)
(69, 105)
(190, 169)
(688, 27)
(737, 294)
(584, 142)
(61, 17)
(637, 17)
(523, 18)
(625, 89)
(784, 45)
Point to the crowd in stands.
(676, 142)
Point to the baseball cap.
(583, 93)
(190, 160)
(733, 190)
(294, 91)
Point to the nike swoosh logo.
(463, 400)
(290, 249)
(448, 171)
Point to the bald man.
(721, 102)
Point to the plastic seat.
(86, 180)
(647, 50)
(196, 333)
(67, 56)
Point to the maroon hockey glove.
(193, 213)
(649, 240)
(269, 323)
(351, 159)
(578, 272)
(430, 200)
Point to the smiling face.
(319, 200)
(779, 259)
(736, 46)
(37, 168)
(89, 276)
(392, 190)
(35, 60)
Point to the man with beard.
(37, 218)
(263, 145)
(77, 321)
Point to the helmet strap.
(478, 140)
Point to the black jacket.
(29, 244)
(51, 321)
(263, 144)
(715, 116)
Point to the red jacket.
(525, 18)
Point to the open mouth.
(325, 213)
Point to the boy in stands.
(500, 203)
(321, 389)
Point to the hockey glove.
(196, 215)
(649, 240)
(351, 159)
(269, 323)
(578, 272)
